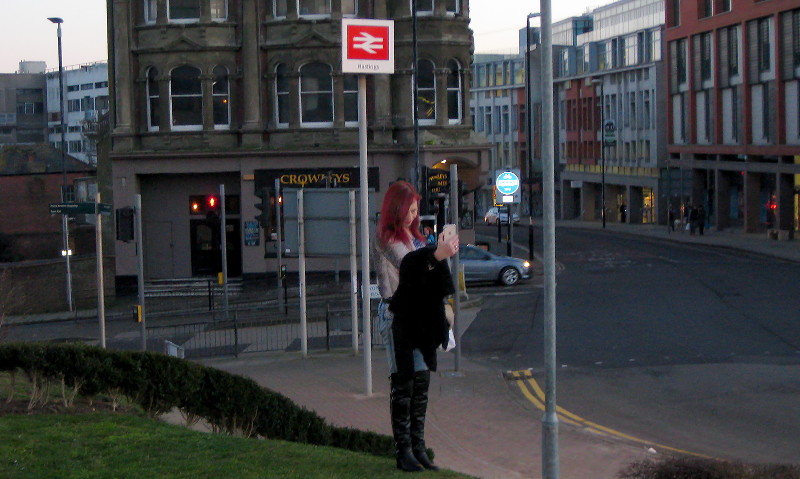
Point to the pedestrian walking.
(413, 280)
(692, 219)
(701, 219)
(622, 213)
(671, 219)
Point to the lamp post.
(529, 132)
(599, 81)
(65, 220)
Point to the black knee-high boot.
(400, 407)
(419, 408)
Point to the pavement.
(479, 423)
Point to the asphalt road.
(689, 347)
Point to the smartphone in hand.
(448, 232)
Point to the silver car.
(481, 265)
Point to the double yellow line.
(534, 393)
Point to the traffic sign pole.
(101, 302)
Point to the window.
(87, 103)
(479, 119)
(349, 8)
(704, 8)
(350, 85)
(101, 84)
(150, 9)
(505, 121)
(101, 103)
(655, 45)
(426, 92)
(453, 6)
(74, 146)
(424, 7)
(764, 61)
(73, 105)
(316, 95)
(724, 6)
(152, 99)
(705, 56)
(733, 50)
(219, 9)
(87, 86)
(314, 7)
(675, 18)
(488, 119)
(282, 95)
(186, 97)
(183, 9)
(681, 60)
(73, 88)
(221, 98)
(279, 9)
(454, 106)
(795, 21)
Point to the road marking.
(534, 393)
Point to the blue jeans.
(385, 319)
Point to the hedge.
(159, 383)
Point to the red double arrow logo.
(366, 42)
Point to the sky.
(26, 34)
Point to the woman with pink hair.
(413, 280)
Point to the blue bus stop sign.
(507, 183)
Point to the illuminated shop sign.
(315, 178)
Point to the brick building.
(734, 109)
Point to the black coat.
(418, 308)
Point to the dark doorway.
(206, 257)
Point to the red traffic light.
(212, 201)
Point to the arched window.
(350, 86)
(314, 7)
(316, 95)
(153, 97)
(221, 98)
(426, 92)
(186, 97)
(454, 105)
(219, 10)
(282, 96)
(183, 10)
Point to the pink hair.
(396, 203)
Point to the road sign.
(507, 184)
(367, 46)
(83, 208)
(609, 133)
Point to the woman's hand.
(446, 249)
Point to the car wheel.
(509, 276)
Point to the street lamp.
(64, 219)
(599, 81)
(529, 133)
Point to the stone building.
(243, 92)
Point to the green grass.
(105, 445)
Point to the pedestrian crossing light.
(264, 218)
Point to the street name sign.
(79, 208)
(367, 46)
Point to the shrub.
(229, 403)
(696, 468)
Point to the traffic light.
(124, 220)
(199, 204)
(265, 217)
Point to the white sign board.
(367, 46)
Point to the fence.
(259, 330)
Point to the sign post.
(367, 48)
